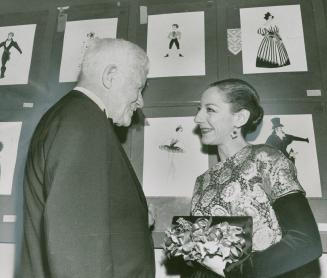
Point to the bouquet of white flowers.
(194, 238)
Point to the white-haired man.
(85, 212)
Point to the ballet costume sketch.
(173, 146)
(174, 36)
(85, 44)
(272, 52)
(7, 45)
(281, 140)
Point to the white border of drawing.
(288, 19)
(9, 136)
(166, 173)
(192, 45)
(18, 67)
(306, 161)
(75, 43)
(7, 260)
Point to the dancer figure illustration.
(173, 146)
(85, 44)
(175, 36)
(7, 44)
(272, 52)
(281, 140)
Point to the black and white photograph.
(9, 139)
(163, 139)
(78, 34)
(172, 157)
(294, 136)
(7, 256)
(272, 39)
(176, 44)
(16, 46)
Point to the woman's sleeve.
(299, 245)
(280, 177)
(300, 241)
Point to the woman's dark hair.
(241, 95)
(176, 25)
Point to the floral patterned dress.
(248, 183)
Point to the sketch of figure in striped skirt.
(272, 52)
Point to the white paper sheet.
(77, 36)
(17, 67)
(9, 138)
(189, 59)
(306, 160)
(285, 38)
(172, 157)
(7, 260)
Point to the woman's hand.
(215, 264)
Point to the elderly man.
(85, 212)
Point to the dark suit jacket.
(85, 212)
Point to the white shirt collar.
(93, 97)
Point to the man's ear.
(108, 75)
(241, 117)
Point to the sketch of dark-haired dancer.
(281, 140)
(7, 44)
(272, 52)
(173, 146)
(175, 35)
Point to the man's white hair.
(126, 55)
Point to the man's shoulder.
(73, 103)
(73, 109)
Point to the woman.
(272, 52)
(254, 180)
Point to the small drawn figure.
(85, 44)
(7, 44)
(272, 52)
(281, 140)
(173, 146)
(175, 36)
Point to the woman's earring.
(233, 134)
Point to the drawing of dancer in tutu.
(272, 52)
(173, 146)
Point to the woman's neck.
(230, 148)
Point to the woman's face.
(215, 118)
